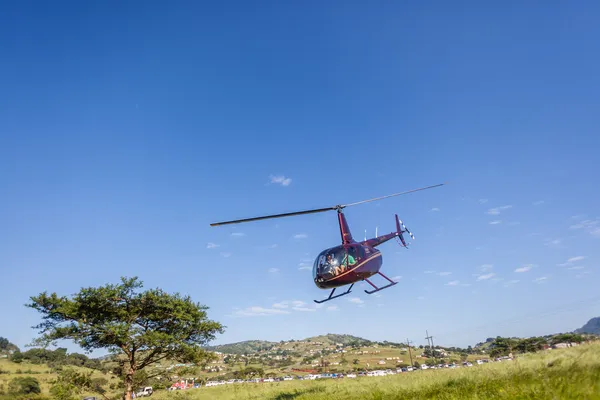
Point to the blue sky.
(125, 130)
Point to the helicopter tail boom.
(400, 230)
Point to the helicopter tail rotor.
(401, 228)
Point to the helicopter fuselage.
(345, 264)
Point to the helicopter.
(350, 261)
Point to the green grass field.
(572, 373)
(41, 372)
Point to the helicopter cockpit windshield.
(332, 262)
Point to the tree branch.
(149, 360)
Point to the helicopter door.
(351, 257)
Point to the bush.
(24, 385)
(17, 357)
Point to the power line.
(409, 352)
(428, 337)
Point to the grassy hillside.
(44, 374)
(330, 353)
(254, 346)
(572, 373)
(246, 347)
(346, 340)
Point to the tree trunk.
(129, 385)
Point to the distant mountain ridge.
(253, 346)
(592, 326)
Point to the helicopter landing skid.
(331, 297)
(377, 289)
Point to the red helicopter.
(351, 261)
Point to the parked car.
(147, 391)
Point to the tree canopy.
(144, 327)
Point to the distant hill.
(346, 340)
(255, 346)
(592, 326)
(246, 347)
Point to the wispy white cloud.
(524, 268)
(211, 245)
(486, 267)
(572, 260)
(304, 266)
(486, 276)
(483, 201)
(452, 283)
(226, 255)
(298, 305)
(445, 273)
(396, 278)
(300, 236)
(428, 272)
(304, 309)
(238, 234)
(273, 270)
(538, 203)
(280, 179)
(540, 279)
(576, 267)
(511, 282)
(495, 222)
(581, 275)
(279, 308)
(255, 311)
(355, 300)
(497, 210)
(332, 308)
(552, 242)
(591, 226)
(435, 209)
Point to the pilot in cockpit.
(331, 264)
(330, 260)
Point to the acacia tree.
(144, 327)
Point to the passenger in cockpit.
(348, 261)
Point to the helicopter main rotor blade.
(317, 210)
(395, 194)
(237, 221)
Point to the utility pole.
(409, 352)
(428, 337)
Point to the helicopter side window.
(335, 262)
(359, 253)
(349, 258)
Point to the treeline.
(55, 358)
(503, 346)
(6, 346)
